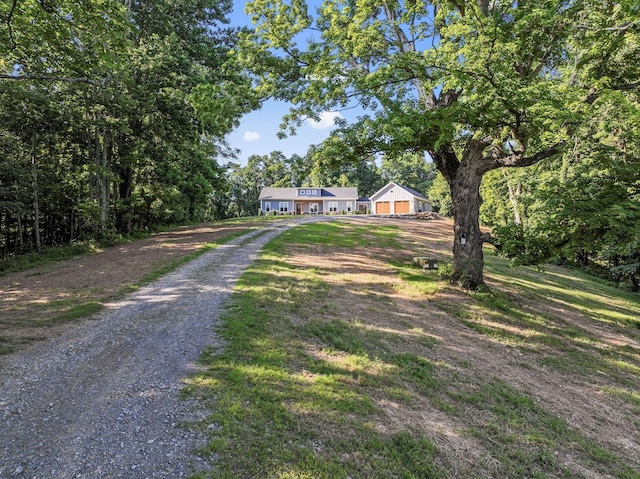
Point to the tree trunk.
(20, 234)
(583, 257)
(104, 183)
(514, 194)
(468, 258)
(125, 189)
(36, 201)
(634, 283)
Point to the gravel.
(102, 400)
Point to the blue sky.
(257, 133)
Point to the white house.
(394, 199)
(308, 200)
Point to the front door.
(298, 208)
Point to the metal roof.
(270, 193)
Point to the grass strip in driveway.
(294, 399)
(306, 389)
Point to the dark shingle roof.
(347, 193)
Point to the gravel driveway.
(102, 401)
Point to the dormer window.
(301, 192)
(309, 192)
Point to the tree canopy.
(112, 116)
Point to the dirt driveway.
(42, 302)
(102, 399)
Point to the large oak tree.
(479, 85)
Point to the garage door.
(401, 207)
(383, 207)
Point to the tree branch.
(594, 94)
(516, 159)
(8, 22)
(620, 28)
(50, 78)
(489, 238)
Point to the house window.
(333, 206)
(309, 192)
(349, 206)
(267, 206)
(284, 206)
(313, 208)
(301, 192)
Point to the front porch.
(302, 207)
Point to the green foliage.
(477, 85)
(112, 117)
(585, 208)
(519, 244)
(328, 168)
(440, 196)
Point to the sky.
(257, 133)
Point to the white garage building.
(395, 199)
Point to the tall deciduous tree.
(585, 206)
(476, 84)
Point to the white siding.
(394, 194)
(340, 204)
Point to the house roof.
(270, 193)
(412, 192)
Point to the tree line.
(113, 116)
(368, 174)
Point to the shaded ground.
(596, 395)
(600, 401)
(39, 303)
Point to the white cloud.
(327, 120)
(250, 136)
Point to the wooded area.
(113, 117)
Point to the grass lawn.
(342, 360)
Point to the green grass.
(567, 348)
(74, 312)
(415, 281)
(298, 389)
(525, 438)
(17, 264)
(282, 412)
(339, 234)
